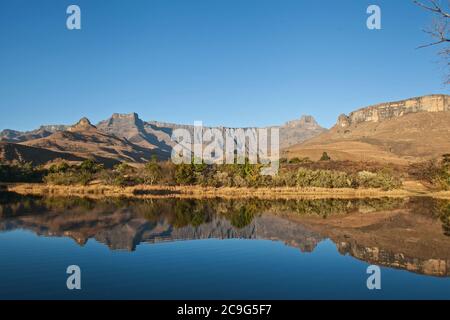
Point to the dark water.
(224, 249)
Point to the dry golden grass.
(146, 191)
(403, 140)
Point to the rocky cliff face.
(152, 136)
(121, 125)
(401, 132)
(85, 141)
(390, 110)
(82, 125)
(133, 129)
(379, 256)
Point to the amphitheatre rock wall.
(385, 111)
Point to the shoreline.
(157, 192)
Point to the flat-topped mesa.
(124, 120)
(82, 125)
(128, 116)
(390, 110)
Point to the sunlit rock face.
(344, 121)
(152, 135)
(390, 110)
(82, 125)
(379, 256)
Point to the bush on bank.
(20, 172)
(436, 173)
(65, 174)
(229, 175)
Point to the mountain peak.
(127, 126)
(131, 117)
(122, 119)
(307, 119)
(304, 121)
(83, 124)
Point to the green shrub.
(229, 175)
(112, 177)
(322, 179)
(184, 174)
(443, 174)
(59, 167)
(381, 180)
(152, 172)
(68, 178)
(21, 172)
(434, 172)
(325, 157)
(337, 179)
(90, 166)
(64, 174)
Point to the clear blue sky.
(225, 62)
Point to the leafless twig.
(434, 7)
(440, 30)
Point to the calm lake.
(224, 249)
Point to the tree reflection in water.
(410, 233)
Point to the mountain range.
(121, 138)
(399, 132)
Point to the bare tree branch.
(436, 8)
(440, 30)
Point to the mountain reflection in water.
(411, 234)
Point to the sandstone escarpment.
(390, 110)
(379, 256)
(401, 132)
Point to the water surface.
(224, 249)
